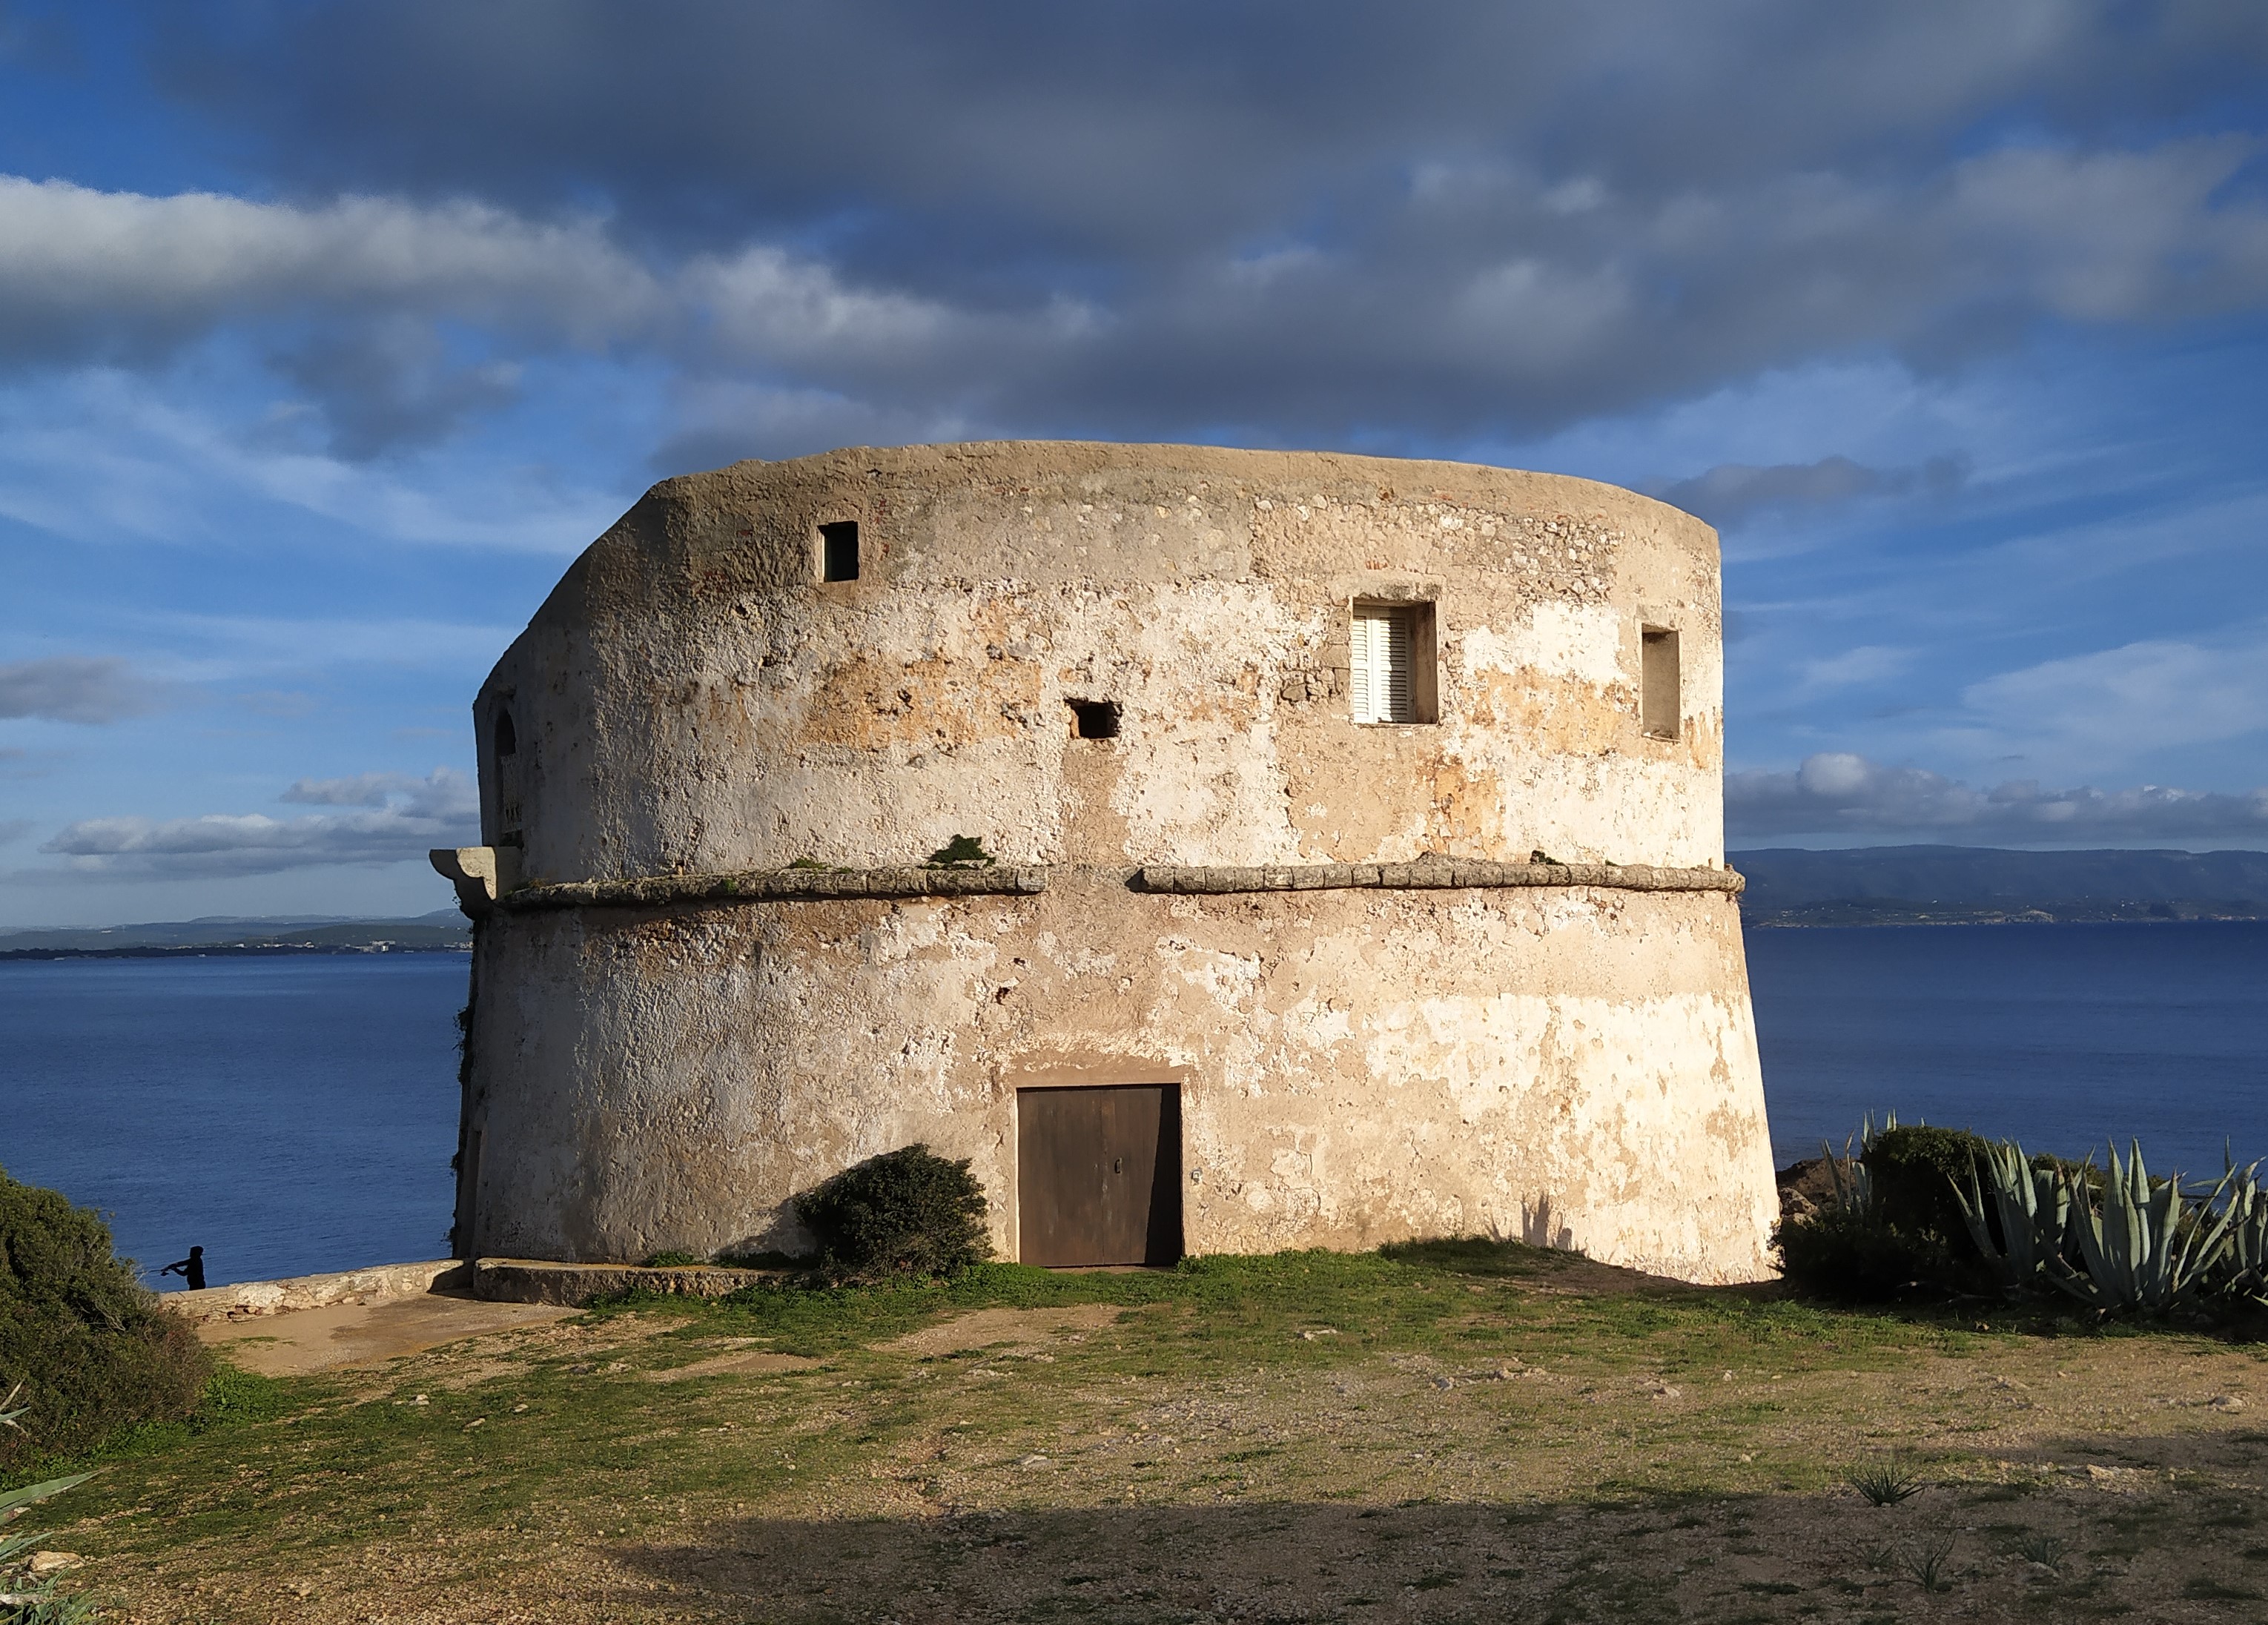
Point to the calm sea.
(2059, 1036)
(288, 1116)
(298, 1114)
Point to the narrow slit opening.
(1659, 699)
(838, 551)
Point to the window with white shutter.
(1382, 640)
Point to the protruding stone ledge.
(1429, 874)
(1024, 880)
(783, 886)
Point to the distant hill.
(445, 930)
(1913, 884)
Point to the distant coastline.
(1991, 886)
(225, 951)
(446, 932)
(1851, 914)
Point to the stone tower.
(1355, 871)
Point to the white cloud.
(106, 454)
(1445, 307)
(403, 817)
(1841, 793)
(1869, 663)
(2118, 702)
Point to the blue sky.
(328, 334)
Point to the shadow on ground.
(2131, 1525)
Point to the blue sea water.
(298, 1114)
(288, 1114)
(2062, 1037)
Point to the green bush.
(1855, 1256)
(1918, 1173)
(91, 1348)
(905, 1213)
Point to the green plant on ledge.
(961, 852)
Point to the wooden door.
(1099, 1174)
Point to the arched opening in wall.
(1099, 1175)
(505, 751)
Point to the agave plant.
(41, 1604)
(2145, 1247)
(2033, 1206)
(1854, 1185)
(2242, 1268)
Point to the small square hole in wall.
(1095, 719)
(838, 551)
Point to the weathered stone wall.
(1572, 1064)
(691, 699)
(1575, 1066)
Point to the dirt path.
(320, 1339)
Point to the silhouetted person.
(191, 1269)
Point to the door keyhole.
(1118, 1165)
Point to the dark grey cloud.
(1839, 793)
(1084, 134)
(398, 819)
(390, 383)
(1730, 492)
(1319, 223)
(75, 688)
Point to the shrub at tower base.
(90, 1347)
(907, 1213)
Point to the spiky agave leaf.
(2145, 1245)
(2242, 1268)
(2033, 1206)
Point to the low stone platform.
(541, 1281)
(379, 1283)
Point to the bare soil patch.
(1018, 1330)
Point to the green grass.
(1196, 1389)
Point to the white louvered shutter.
(1379, 643)
(1359, 661)
(1394, 702)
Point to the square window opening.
(838, 551)
(1391, 667)
(1095, 719)
(1660, 701)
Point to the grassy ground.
(1459, 1431)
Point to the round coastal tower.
(1355, 870)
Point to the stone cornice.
(1428, 874)
(760, 885)
(1024, 880)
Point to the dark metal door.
(1099, 1174)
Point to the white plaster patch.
(1578, 642)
